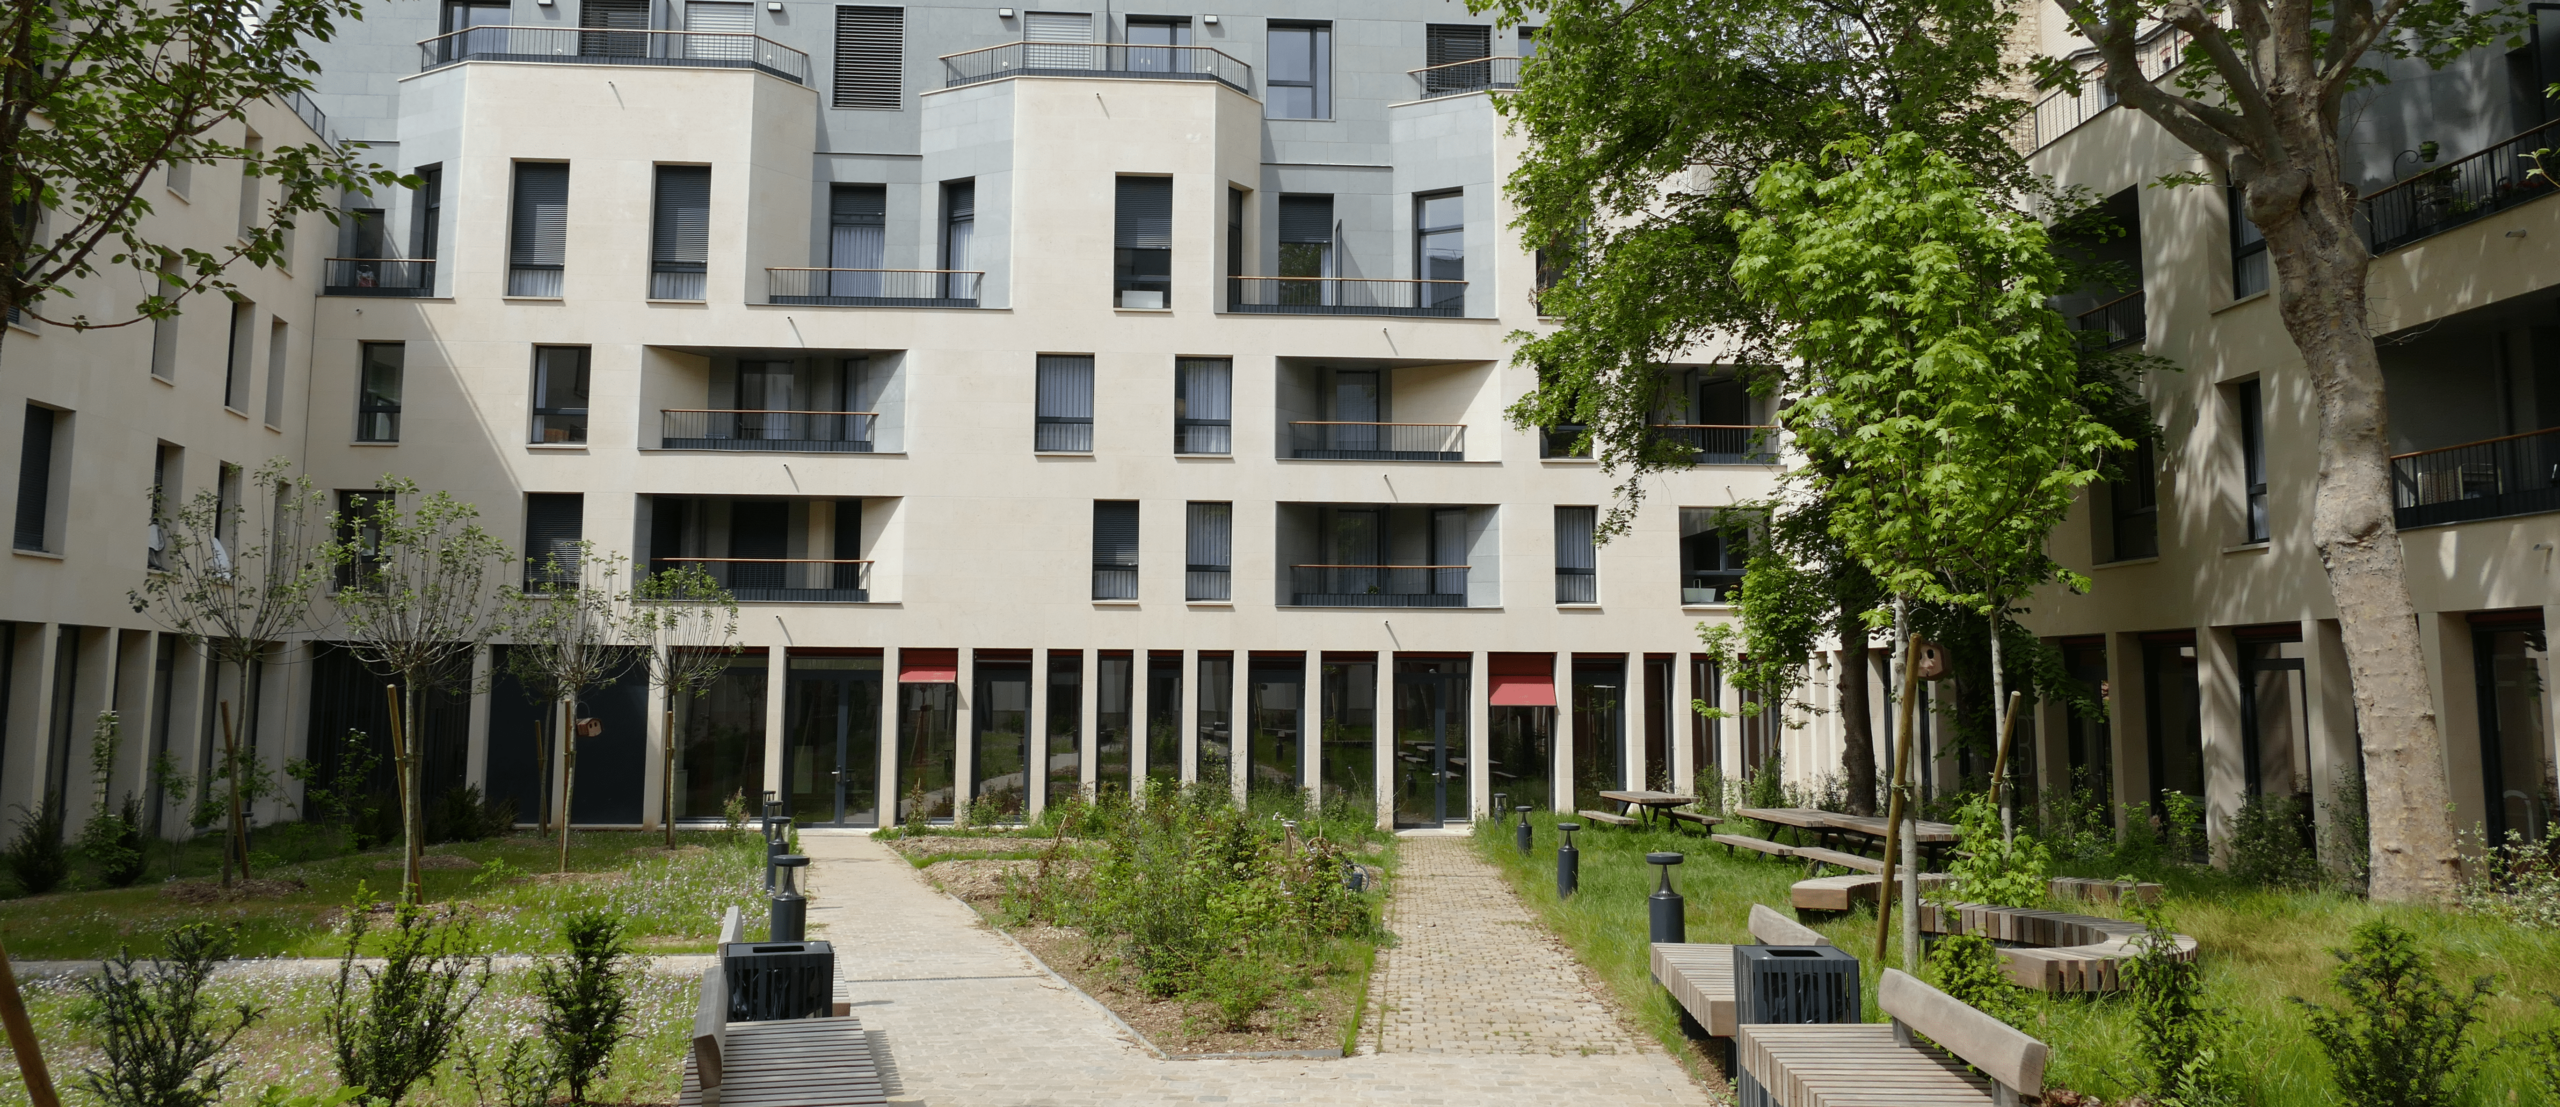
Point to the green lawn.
(673, 901)
(2259, 948)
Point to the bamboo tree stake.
(568, 771)
(1893, 807)
(237, 849)
(2000, 767)
(412, 873)
(667, 813)
(22, 1039)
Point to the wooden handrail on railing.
(2470, 445)
(1325, 423)
(826, 269)
(754, 411)
(1378, 566)
(1716, 426)
(772, 560)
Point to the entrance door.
(833, 764)
(2516, 770)
(1431, 742)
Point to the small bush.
(113, 842)
(2183, 1039)
(35, 854)
(464, 815)
(2270, 844)
(2518, 882)
(395, 1029)
(522, 1075)
(2403, 1038)
(162, 1043)
(340, 796)
(1990, 869)
(1967, 967)
(2348, 842)
(733, 811)
(586, 999)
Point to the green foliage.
(34, 855)
(162, 1042)
(523, 1075)
(465, 815)
(2268, 844)
(586, 999)
(2181, 828)
(1989, 869)
(733, 811)
(2183, 1040)
(2403, 1038)
(2518, 881)
(339, 795)
(395, 1028)
(1967, 967)
(2348, 840)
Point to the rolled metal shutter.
(871, 46)
(540, 235)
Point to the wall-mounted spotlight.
(1210, 20)
(775, 6)
(1004, 13)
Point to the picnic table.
(1650, 802)
(1827, 823)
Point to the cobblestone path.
(963, 1018)
(1472, 973)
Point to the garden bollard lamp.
(1523, 834)
(1354, 878)
(777, 838)
(1568, 863)
(790, 908)
(1668, 909)
(1501, 803)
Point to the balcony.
(2059, 113)
(1721, 444)
(2120, 320)
(1458, 78)
(1346, 296)
(2458, 191)
(1378, 441)
(1096, 59)
(911, 288)
(781, 580)
(2494, 478)
(822, 432)
(379, 277)
(587, 46)
(1378, 585)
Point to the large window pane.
(720, 754)
(1277, 688)
(928, 725)
(1066, 725)
(559, 394)
(1000, 749)
(1347, 762)
(1599, 731)
(1112, 722)
(1215, 726)
(1164, 716)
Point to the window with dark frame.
(1440, 248)
(1306, 250)
(560, 395)
(553, 524)
(2248, 249)
(2253, 458)
(538, 232)
(1203, 405)
(1209, 541)
(1115, 549)
(1577, 555)
(34, 521)
(1062, 416)
(871, 58)
(1142, 243)
(380, 369)
(959, 229)
(1453, 54)
(680, 233)
(2133, 506)
(426, 221)
(1714, 550)
(1300, 82)
(235, 366)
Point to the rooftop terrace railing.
(782, 580)
(1733, 444)
(1378, 585)
(2458, 191)
(589, 46)
(1096, 59)
(379, 277)
(1458, 78)
(2059, 113)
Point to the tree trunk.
(2000, 731)
(568, 771)
(2321, 266)
(667, 779)
(1857, 727)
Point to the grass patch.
(2259, 948)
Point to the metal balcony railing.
(1710, 444)
(1378, 441)
(2060, 112)
(1714, 587)
(952, 288)
(2518, 474)
(1096, 59)
(1203, 436)
(2120, 319)
(2458, 191)
(379, 277)
(1054, 435)
(1345, 296)
(587, 46)
(1458, 78)
(1206, 582)
(780, 579)
(1577, 586)
(1115, 582)
(1378, 585)
(831, 432)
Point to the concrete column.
(1560, 796)
(1480, 737)
(885, 790)
(1729, 736)
(1088, 720)
(1035, 725)
(1186, 722)
(1240, 721)
(30, 708)
(475, 747)
(964, 754)
(2550, 736)
(2446, 639)
(1311, 727)
(2129, 726)
(1383, 740)
(1683, 724)
(653, 770)
(2226, 781)
(137, 689)
(2331, 725)
(777, 679)
(285, 717)
(185, 730)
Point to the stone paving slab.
(965, 1019)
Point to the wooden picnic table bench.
(1694, 817)
(1802, 853)
(1878, 1065)
(1609, 819)
(789, 1063)
(1699, 975)
(1649, 802)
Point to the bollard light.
(777, 841)
(1670, 923)
(1354, 878)
(1568, 863)
(1501, 803)
(1523, 833)
(790, 918)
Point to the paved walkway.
(968, 1020)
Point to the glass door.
(1431, 742)
(834, 740)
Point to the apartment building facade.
(1072, 398)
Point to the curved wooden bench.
(2056, 951)
(1699, 975)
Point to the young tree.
(691, 626)
(572, 632)
(2260, 101)
(98, 95)
(235, 573)
(416, 589)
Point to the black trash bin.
(1790, 984)
(772, 981)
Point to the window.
(1210, 551)
(2133, 507)
(538, 242)
(1712, 557)
(1300, 84)
(1062, 421)
(1151, 42)
(249, 186)
(360, 528)
(1446, 49)
(164, 331)
(276, 344)
(2248, 249)
(1202, 391)
(680, 233)
(1577, 559)
(34, 525)
(613, 28)
(560, 394)
(226, 511)
(165, 463)
(235, 368)
(1115, 549)
(1440, 248)
(1235, 235)
(182, 177)
(378, 391)
(871, 53)
(1528, 42)
(553, 524)
(857, 229)
(474, 28)
(1306, 250)
(2253, 458)
(1071, 34)
(1142, 241)
(427, 219)
(959, 226)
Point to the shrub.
(113, 842)
(733, 811)
(2518, 882)
(2348, 842)
(2403, 1039)
(161, 1041)
(1991, 869)
(522, 1077)
(340, 796)
(34, 855)
(2182, 1039)
(2269, 844)
(401, 1024)
(1967, 967)
(464, 815)
(586, 999)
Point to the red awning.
(928, 666)
(1523, 679)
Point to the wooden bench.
(1840, 859)
(1699, 975)
(1732, 842)
(1605, 817)
(792, 1063)
(2051, 950)
(1856, 1064)
(1694, 818)
(2085, 890)
(1842, 893)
